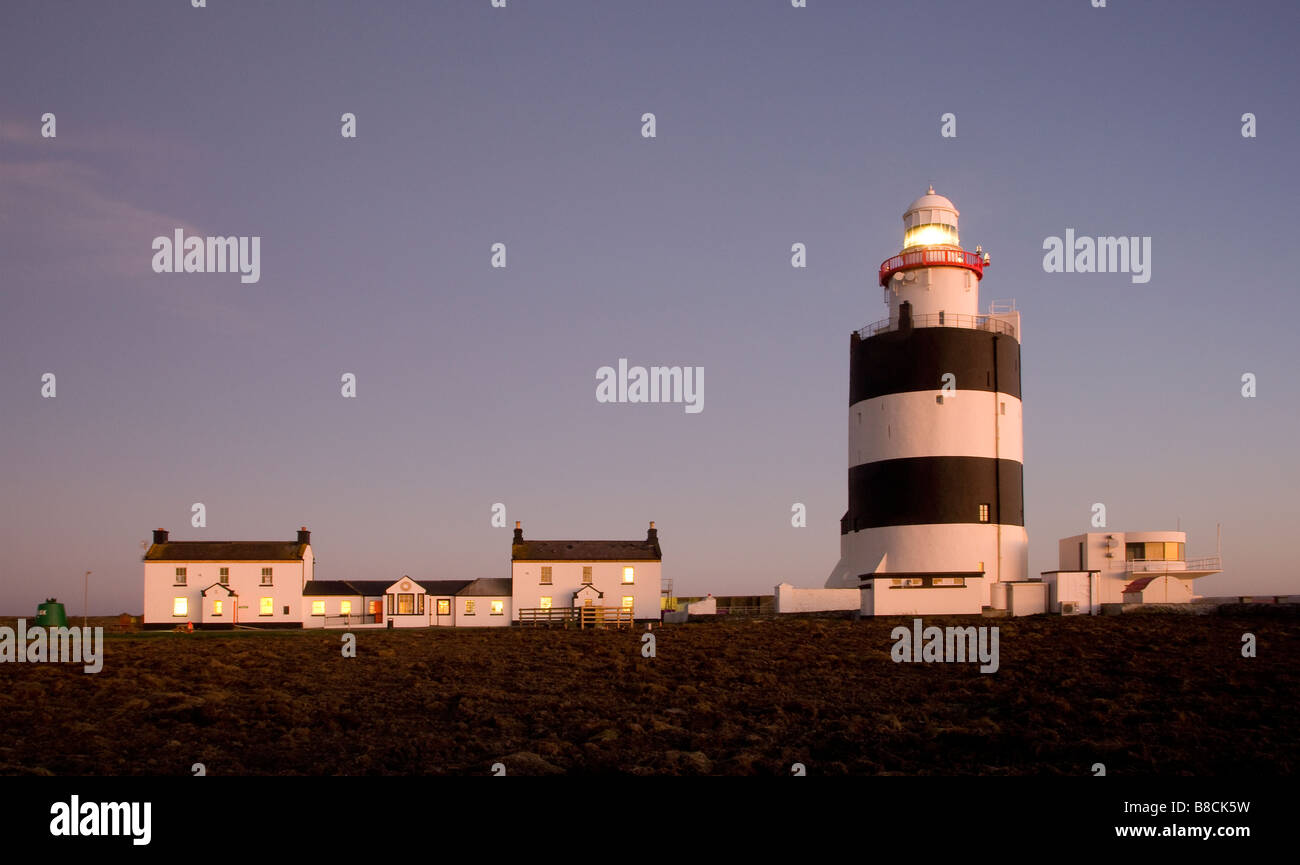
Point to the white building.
(269, 584)
(551, 574)
(225, 583)
(1125, 568)
(936, 501)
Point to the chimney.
(304, 536)
(652, 536)
(519, 532)
(160, 536)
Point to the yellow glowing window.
(267, 607)
(406, 604)
(444, 607)
(546, 575)
(627, 601)
(345, 608)
(545, 603)
(498, 608)
(984, 513)
(469, 608)
(318, 608)
(627, 576)
(216, 607)
(934, 233)
(180, 606)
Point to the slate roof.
(492, 586)
(375, 588)
(226, 551)
(327, 588)
(586, 551)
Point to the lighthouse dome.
(931, 220)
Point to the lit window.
(1172, 553)
(345, 608)
(267, 607)
(216, 607)
(374, 608)
(180, 576)
(984, 513)
(544, 603)
(406, 604)
(318, 608)
(469, 608)
(444, 607)
(896, 582)
(224, 576)
(546, 575)
(498, 608)
(627, 601)
(266, 576)
(627, 576)
(586, 575)
(180, 606)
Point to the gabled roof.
(587, 551)
(327, 588)
(221, 586)
(491, 586)
(226, 551)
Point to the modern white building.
(936, 504)
(551, 574)
(1125, 568)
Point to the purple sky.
(477, 385)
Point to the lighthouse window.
(1004, 408)
(939, 399)
(984, 513)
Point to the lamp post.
(85, 600)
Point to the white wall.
(885, 599)
(607, 577)
(792, 600)
(245, 580)
(967, 424)
(482, 616)
(1078, 587)
(1027, 599)
(935, 289)
(945, 547)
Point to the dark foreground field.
(1143, 694)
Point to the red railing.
(931, 258)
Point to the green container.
(51, 615)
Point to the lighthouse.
(936, 517)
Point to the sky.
(476, 385)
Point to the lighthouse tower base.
(936, 569)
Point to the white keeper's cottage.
(550, 574)
(226, 583)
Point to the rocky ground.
(1142, 694)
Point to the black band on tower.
(927, 490)
(901, 361)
